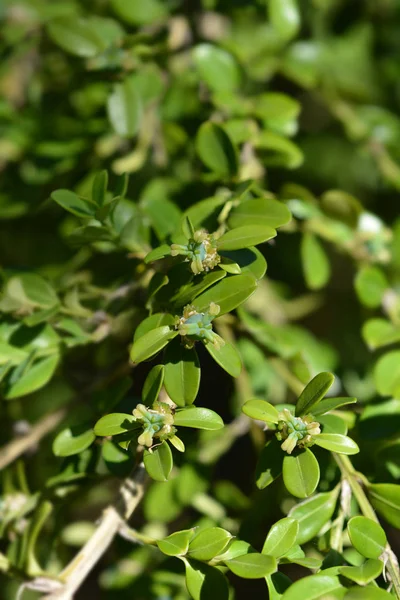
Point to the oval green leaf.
(216, 67)
(73, 440)
(228, 293)
(227, 357)
(209, 543)
(260, 211)
(151, 342)
(314, 391)
(243, 237)
(182, 373)
(205, 582)
(115, 423)
(365, 573)
(367, 536)
(158, 461)
(301, 473)
(312, 514)
(313, 587)
(281, 537)
(152, 385)
(335, 442)
(385, 498)
(331, 404)
(216, 150)
(124, 108)
(252, 566)
(177, 543)
(260, 410)
(198, 418)
(74, 204)
(316, 266)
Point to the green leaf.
(99, 188)
(370, 284)
(209, 543)
(332, 424)
(217, 68)
(312, 514)
(151, 342)
(367, 593)
(182, 373)
(250, 260)
(301, 473)
(205, 582)
(228, 293)
(227, 357)
(261, 212)
(216, 150)
(153, 322)
(313, 587)
(277, 584)
(260, 410)
(277, 150)
(335, 442)
(243, 237)
(385, 498)
(285, 17)
(198, 418)
(124, 108)
(118, 461)
(152, 385)
(367, 536)
(76, 36)
(187, 293)
(137, 12)
(314, 391)
(387, 374)
(365, 573)
(328, 404)
(281, 537)
(380, 332)
(316, 266)
(158, 253)
(269, 464)
(115, 423)
(74, 204)
(31, 290)
(34, 378)
(73, 440)
(252, 566)
(158, 461)
(177, 543)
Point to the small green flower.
(194, 326)
(200, 250)
(158, 423)
(296, 431)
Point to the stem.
(114, 516)
(351, 476)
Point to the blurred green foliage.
(146, 148)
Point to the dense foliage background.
(191, 99)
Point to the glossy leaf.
(332, 424)
(216, 149)
(227, 357)
(158, 253)
(243, 237)
(187, 293)
(99, 187)
(153, 322)
(313, 587)
(198, 418)
(365, 573)
(370, 284)
(124, 108)
(34, 378)
(387, 374)
(228, 293)
(204, 581)
(301, 473)
(177, 543)
(336, 442)
(316, 266)
(216, 67)
(281, 537)
(380, 332)
(252, 565)
(209, 543)
(367, 536)
(314, 391)
(73, 440)
(182, 373)
(285, 17)
(260, 211)
(137, 12)
(158, 461)
(76, 36)
(277, 584)
(260, 410)
(152, 385)
(328, 404)
(114, 423)
(74, 204)
(385, 498)
(250, 260)
(151, 342)
(367, 593)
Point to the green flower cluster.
(194, 326)
(200, 250)
(157, 422)
(296, 431)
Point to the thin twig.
(16, 447)
(74, 574)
